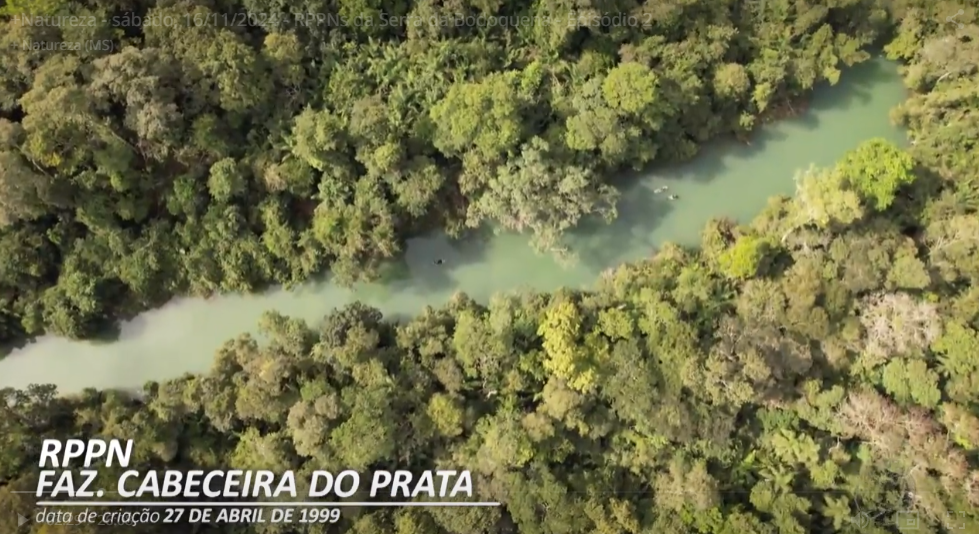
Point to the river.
(727, 179)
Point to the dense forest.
(798, 374)
(204, 152)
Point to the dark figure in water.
(438, 261)
(674, 197)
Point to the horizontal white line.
(285, 504)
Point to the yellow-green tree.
(877, 169)
(566, 358)
(745, 258)
(32, 8)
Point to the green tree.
(746, 258)
(226, 180)
(484, 116)
(877, 169)
(631, 88)
(911, 380)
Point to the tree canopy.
(812, 371)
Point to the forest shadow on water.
(427, 264)
(7, 348)
(110, 332)
(599, 244)
(856, 87)
(106, 333)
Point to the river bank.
(726, 179)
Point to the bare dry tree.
(872, 418)
(897, 323)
